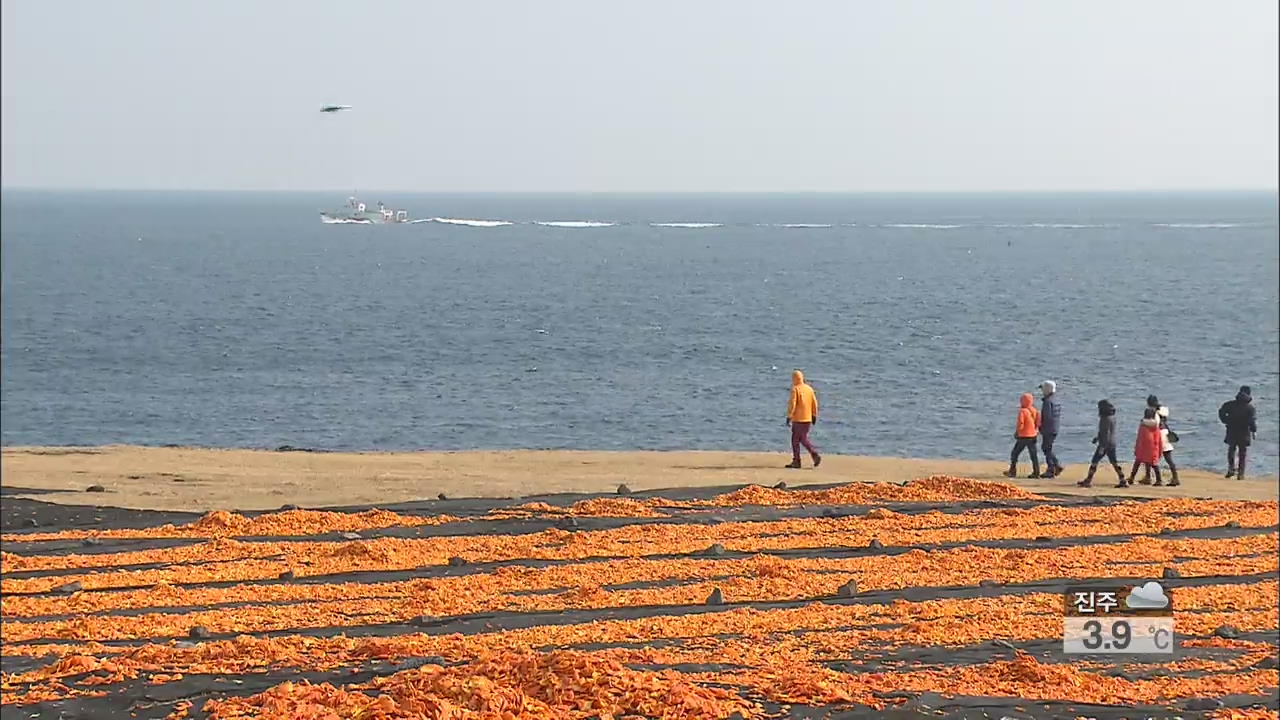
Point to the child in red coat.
(1146, 452)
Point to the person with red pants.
(802, 413)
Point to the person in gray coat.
(1106, 442)
(1050, 421)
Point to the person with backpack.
(1241, 420)
(1106, 443)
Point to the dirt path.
(201, 479)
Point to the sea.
(624, 322)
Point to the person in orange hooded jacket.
(1024, 437)
(802, 413)
(1146, 451)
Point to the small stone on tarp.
(71, 587)
(31, 522)
(1267, 663)
(714, 550)
(414, 663)
(290, 506)
(350, 536)
(91, 542)
(567, 523)
(1000, 642)
(442, 496)
(287, 575)
(624, 490)
(1234, 524)
(422, 621)
(1203, 704)
(875, 544)
(780, 486)
(95, 488)
(198, 632)
(715, 598)
(1170, 573)
(456, 561)
(1227, 631)
(1166, 531)
(1043, 539)
(987, 582)
(847, 590)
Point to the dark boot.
(795, 465)
(1119, 472)
(1012, 472)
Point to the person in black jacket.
(1242, 423)
(1106, 442)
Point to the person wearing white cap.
(1050, 421)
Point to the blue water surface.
(240, 320)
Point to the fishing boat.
(356, 211)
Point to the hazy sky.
(641, 96)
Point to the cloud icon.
(1149, 596)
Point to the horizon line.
(1063, 191)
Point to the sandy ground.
(202, 479)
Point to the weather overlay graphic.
(1120, 619)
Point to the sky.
(654, 96)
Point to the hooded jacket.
(1028, 418)
(1147, 448)
(1106, 425)
(1241, 419)
(1050, 411)
(803, 405)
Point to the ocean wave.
(922, 226)
(472, 223)
(1065, 226)
(1201, 226)
(686, 225)
(573, 223)
(421, 220)
(343, 221)
(799, 225)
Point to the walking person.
(1105, 441)
(1050, 421)
(1241, 420)
(1024, 437)
(802, 413)
(1146, 451)
(1167, 439)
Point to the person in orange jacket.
(1146, 451)
(802, 413)
(1024, 437)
